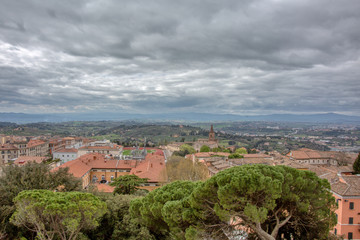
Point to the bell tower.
(212, 134)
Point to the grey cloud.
(208, 56)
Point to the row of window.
(8, 151)
(351, 204)
(112, 170)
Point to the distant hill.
(198, 117)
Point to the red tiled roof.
(256, 155)
(8, 147)
(67, 150)
(153, 167)
(99, 147)
(305, 153)
(68, 138)
(33, 143)
(104, 188)
(25, 159)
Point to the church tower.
(212, 134)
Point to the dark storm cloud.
(208, 56)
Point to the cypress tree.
(356, 165)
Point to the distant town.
(109, 150)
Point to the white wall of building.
(65, 156)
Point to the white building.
(65, 154)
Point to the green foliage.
(241, 151)
(32, 175)
(185, 149)
(235, 155)
(162, 209)
(260, 194)
(127, 184)
(220, 149)
(117, 222)
(251, 197)
(57, 214)
(356, 165)
(205, 148)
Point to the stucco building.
(95, 168)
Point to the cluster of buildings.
(12, 147)
(99, 169)
(98, 163)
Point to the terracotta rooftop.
(33, 143)
(68, 138)
(67, 150)
(152, 167)
(4, 147)
(104, 188)
(254, 155)
(99, 148)
(341, 183)
(347, 185)
(25, 159)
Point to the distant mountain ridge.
(199, 117)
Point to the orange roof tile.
(25, 159)
(8, 147)
(254, 155)
(104, 188)
(99, 147)
(153, 167)
(33, 143)
(67, 150)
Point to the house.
(96, 168)
(112, 150)
(7, 153)
(22, 160)
(37, 147)
(309, 156)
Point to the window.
(102, 177)
(350, 235)
(351, 205)
(94, 179)
(112, 178)
(351, 220)
(335, 231)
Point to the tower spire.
(212, 134)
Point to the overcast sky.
(241, 57)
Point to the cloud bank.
(239, 57)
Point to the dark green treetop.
(127, 184)
(57, 214)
